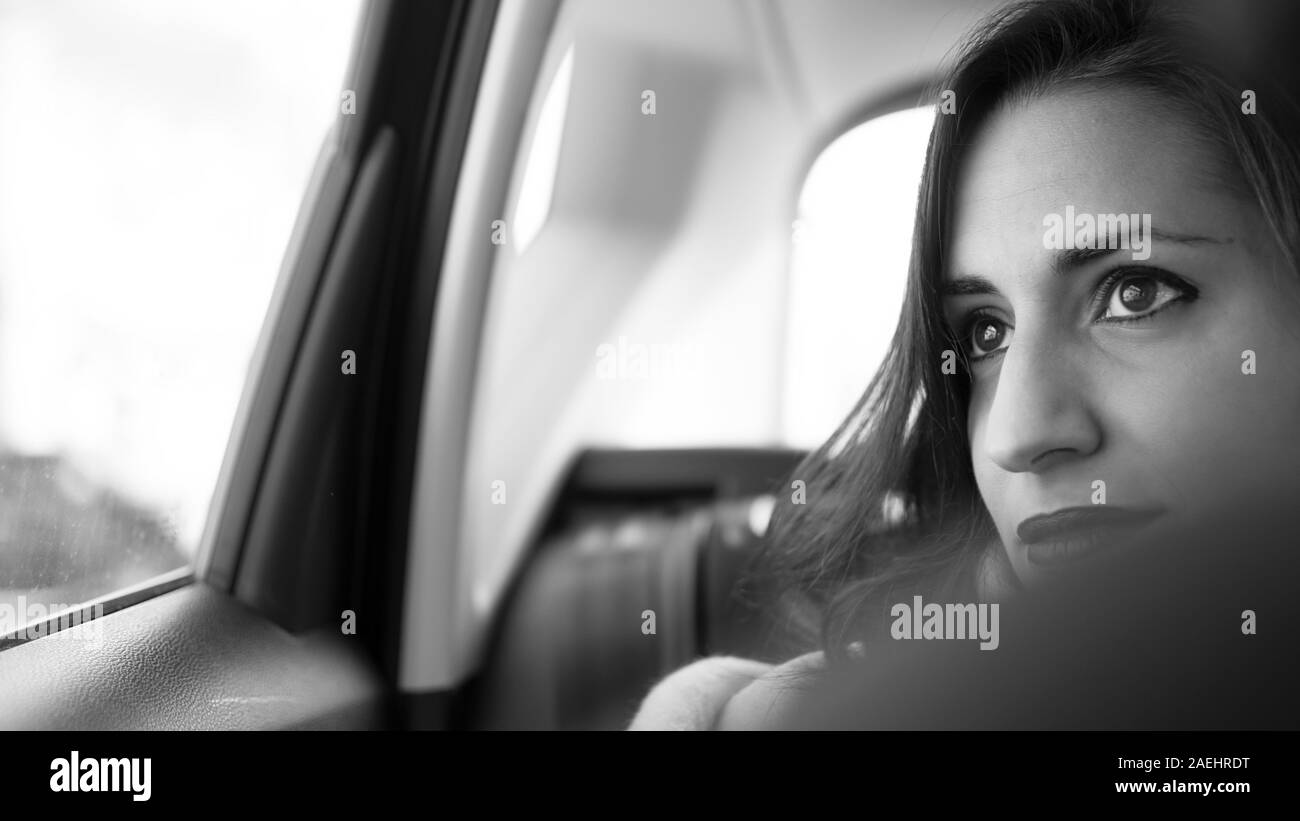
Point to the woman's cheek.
(990, 480)
(1224, 440)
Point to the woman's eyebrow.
(1067, 260)
(969, 285)
(1070, 259)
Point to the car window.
(153, 155)
(852, 243)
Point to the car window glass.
(852, 243)
(153, 155)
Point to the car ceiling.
(832, 57)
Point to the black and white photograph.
(923, 370)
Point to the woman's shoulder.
(764, 702)
(724, 692)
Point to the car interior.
(556, 237)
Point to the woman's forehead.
(1095, 153)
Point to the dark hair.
(890, 507)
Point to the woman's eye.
(986, 336)
(1134, 296)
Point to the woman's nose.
(1042, 408)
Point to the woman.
(1100, 324)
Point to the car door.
(290, 613)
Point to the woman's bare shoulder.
(763, 703)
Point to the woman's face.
(1115, 380)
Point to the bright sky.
(153, 155)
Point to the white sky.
(152, 158)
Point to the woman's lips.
(1070, 534)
